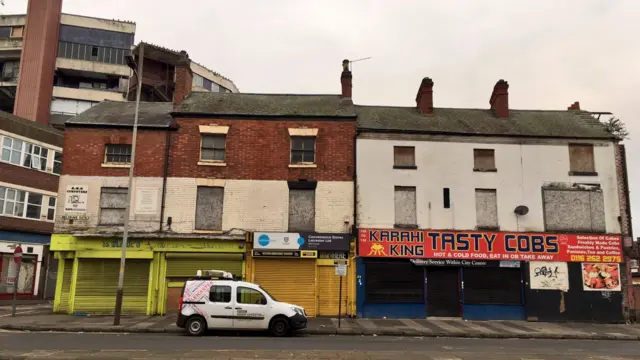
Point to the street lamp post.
(119, 294)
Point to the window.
(35, 157)
(51, 209)
(209, 206)
(574, 210)
(404, 157)
(10, 71)
(302, 209)
(12, 202)
(486, 209)
(250, 296)
(303, 150)
(34, 206)
(12, 150)
(581, 159)
(220, 294)
(213, 148)
(484, 160)
(113, 202)
(446, 196)
(17, 31)
(94, 51)
(118, 154)
(198, 80)
(405, 206)
(57, 162)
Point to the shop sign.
(301, 254)
(601, 277)
(333, 255)
(461, 263)
(301, 241)
(478, 245)
(548, 275)
(341, 268)
(76, 198)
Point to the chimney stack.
(424, 98)
(574, 106)
(345, 80)
(500, 99)
(184, 79)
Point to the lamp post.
(127, 212)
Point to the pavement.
(55, 346)
(40, 318)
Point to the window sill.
(207, 231)
(405, 167)
(212, 163)
(583, 173)
(404, 226)
(310, 166)
(107, 165)
(484, 170)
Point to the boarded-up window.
(405, 206)
(302, 210)
(484, 159)
(404, 156)
(113, 203)
(574, 210)
(486, 209)
(209, 206)
(581, 158)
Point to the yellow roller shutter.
(187, 265)
(289, 280)
(66, 285)
(97, 283)
(329, 291)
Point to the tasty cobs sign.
(476, 245)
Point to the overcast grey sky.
(552, 52)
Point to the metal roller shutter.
(187, 265)
(66, 285)
(292, 281)
(329, 291)
(97, 283)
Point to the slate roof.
(532, 123)
(118, 113)
(266, 105)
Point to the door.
(443, 296)
(219, 308)
(286, 278)
(250, 309)
(329, 292)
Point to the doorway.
(443, 292)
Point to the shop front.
(300, 268)
(27, 275)
(475, 275)
(155, 271)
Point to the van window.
(220, 294)
(250, 296)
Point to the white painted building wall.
(522, 169)
(8, 247)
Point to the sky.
(552, 53)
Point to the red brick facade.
(260, 150)
(84, 151)
(28, 177)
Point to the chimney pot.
(499, 100)
(424, 98)
(346, 81)
(574, 106)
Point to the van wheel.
(196, 326)
(279, 327)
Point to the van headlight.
(298, 310)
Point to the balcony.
(96, 95)
(85, 66)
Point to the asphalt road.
(157, 346)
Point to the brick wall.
(28, 177)
(28, 225)
(622, 189)
(260, 150)
(84, 150)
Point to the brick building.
(248, 183)
(30, 159)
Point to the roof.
(30, 129)
(119, 113)
(530, 123)
(265, 105)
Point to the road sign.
(17, 254)
(341, 269)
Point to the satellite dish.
(521, 210)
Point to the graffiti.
(549, 272)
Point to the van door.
(219, 309)
(251, 309)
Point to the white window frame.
(198, 80)
(49, 159)
(44, 206)
(54, 161)
(51, 207)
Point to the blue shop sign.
(301, 241)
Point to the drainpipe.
(164, 177)
(355, 185)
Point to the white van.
(215, 301)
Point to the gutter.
(355, 185)
(462, 134)
(262, 116)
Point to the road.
(173, 346)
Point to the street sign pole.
(340, 304)
(17, 258)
